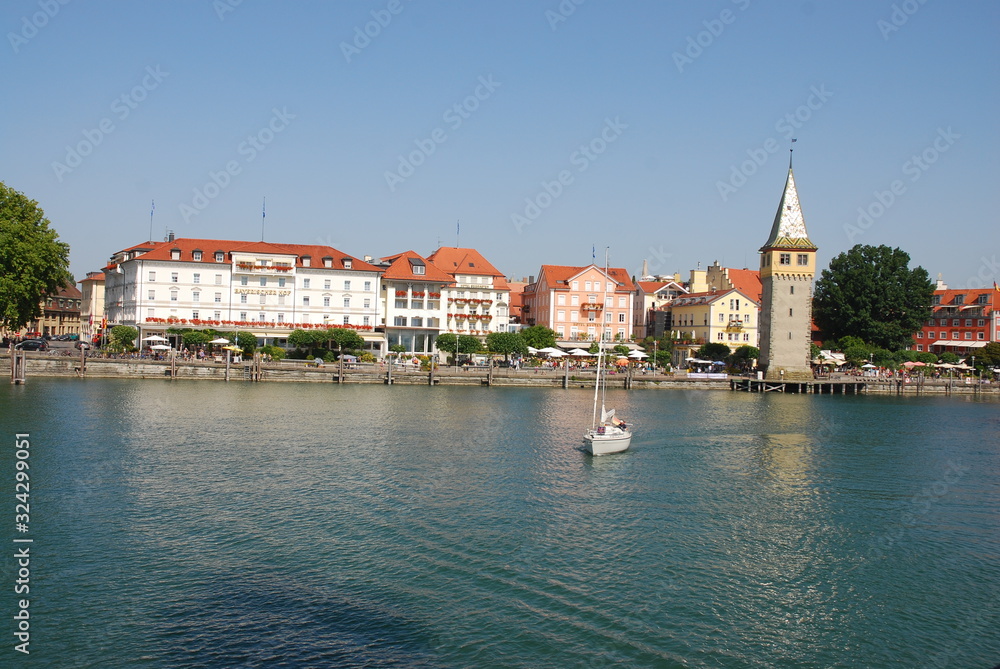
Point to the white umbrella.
(160, 347)
(555, 354)
(551, 349)
(580, 352)
(155, 338)
(867, 365)
(637, 354)
(532, 350)
(220, 340)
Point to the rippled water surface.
(202, 524)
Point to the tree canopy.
(33, 262)
(122, 338)
(506, 343)
(871, 293)
(344, 338)
(713, 350)
(539, 336)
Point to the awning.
(959, 343)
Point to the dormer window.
(220, 256)
(983, 299)
(196, 255)
(347, 263)
(417, 266)
(175, 254)
(327, 261)
(960, 299)
(306, 261)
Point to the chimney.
(170, 236)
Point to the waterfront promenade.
(47, 365)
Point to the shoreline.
(372, 373)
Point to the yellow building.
(727, 317)
(60, 313)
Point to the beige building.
(723, 316)
(92, 305)
(60, 313)
(787, 268)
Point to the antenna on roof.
(263, 215)
(152, 208)
(458, 230)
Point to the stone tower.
(787, 268)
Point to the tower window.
(789, 312)
(785, 259)
(803, 259)
(791, 290)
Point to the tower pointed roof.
(789, 229)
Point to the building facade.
(92, 306)
(580, 303)
(727, 317)
(962, 321)
(265, 288)
(787, 268)
(478, 297)
(60, 313)
(411, 302)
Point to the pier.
(819, 387)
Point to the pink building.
(579, 303)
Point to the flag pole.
(152, 208)
(263, 215)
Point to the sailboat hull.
(612, 440)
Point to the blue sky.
(660, 130)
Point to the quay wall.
(296, 371)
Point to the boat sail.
(610, 434)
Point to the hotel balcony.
(254, 268)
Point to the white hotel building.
(259, 287)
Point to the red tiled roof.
(747, 281)
(946, 299)
(401, 268)
(556, 274)
(652, 286)
(208, 247)
(467, 261)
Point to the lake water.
(200, 524)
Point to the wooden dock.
(818, 387)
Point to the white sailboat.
(610, 434)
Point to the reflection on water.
(324, 525)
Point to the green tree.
(448, 342)
(468, 344)
(246, 342)
(621, 350)
(345, 339)
(926, 357)
(744, 357)
(506, 343)
(814, 351)
(871, 292)
(989, 355)
(857, 354)
(950, 358)
(539, 336)
(34, 264)
(122, 338)
(194, 338)
(713, 351)
(594, 348)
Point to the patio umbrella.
(160, 347)
(155, 338)
(234, 349)
(580, 352)
(868, 365)
(555, 354)
(621, 362)
(219, 340)
(638, 354)
(532, 350)
(552, 349)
